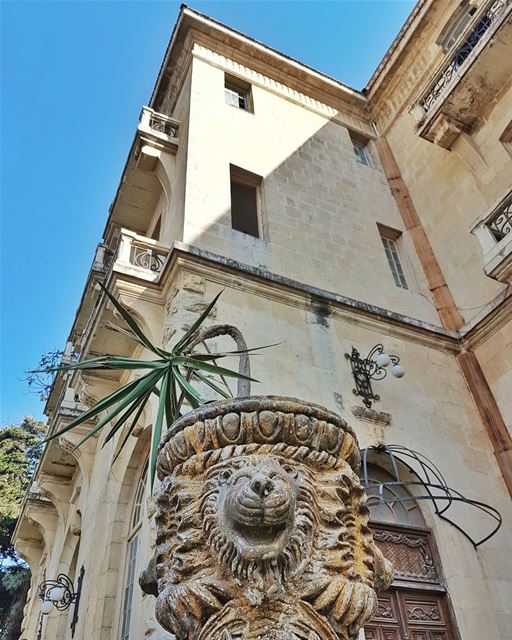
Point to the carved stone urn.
(262, 525)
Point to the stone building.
(332, 219)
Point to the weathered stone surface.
(263, 525)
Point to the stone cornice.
(286, 290)
(239, 64)
(489, 320)
(262, 57)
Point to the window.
(132, 568)
(403, 511)
(237, 93)
(360, 146)
(389, 239)
(456, 26)
(245, 196)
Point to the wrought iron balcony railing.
(500, 223)
(145, 254)
(478, 33)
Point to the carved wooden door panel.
(415, 606)
(409, 615)
(386, 623)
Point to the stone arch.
(127, 467)
(83, 455)
(162, 172)
(59, 623)
(403, 531)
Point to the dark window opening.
(244, 201)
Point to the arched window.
(135, 558)
(402, 511)
(456, 26)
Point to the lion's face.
(257, 514)
(257, 505)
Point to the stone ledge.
(378, 417)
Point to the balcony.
(494, 231)
(136, 256)
(140, 257)
(156, 143)
(158, 131)
(469, 79)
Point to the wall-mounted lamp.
(60, 593)
(373, 367)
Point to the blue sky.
(74, 77)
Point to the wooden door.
(415, 607)
(410, 615)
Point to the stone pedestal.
(263, 525)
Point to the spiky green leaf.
(186, 339)
(210, 368)
(156, 433)
(132, 426)
(211, 384)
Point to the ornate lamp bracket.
(60, 594)
(373, 367)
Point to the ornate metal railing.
(158, 122)
(478, 31)
(148, 258)
(500, 223)
(139, 251)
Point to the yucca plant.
(169, 376)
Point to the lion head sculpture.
(258, 517)
(262, 526)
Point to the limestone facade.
(334, 171)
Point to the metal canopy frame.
(431, 479)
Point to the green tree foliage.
(20, 448)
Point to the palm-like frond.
(169, 377)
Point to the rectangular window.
(128, 589)
(360, 146)
(245, 196)
(237, 93)
(389, 239)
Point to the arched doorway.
(415, 607)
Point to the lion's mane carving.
(258, 516)
(263, 540)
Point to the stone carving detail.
(263, 526)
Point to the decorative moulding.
(378, 417)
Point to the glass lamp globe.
(398, 371)
(46, 607)
(383, 360)
(56, 594)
